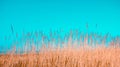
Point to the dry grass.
(85, 51)
(98, 57)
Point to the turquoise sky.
(32, 15)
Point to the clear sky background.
(32, 15)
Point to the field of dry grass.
(86, 51)
(67, 57)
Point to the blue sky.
(32, 15)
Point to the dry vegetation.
(89, 52)
(98, 57)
